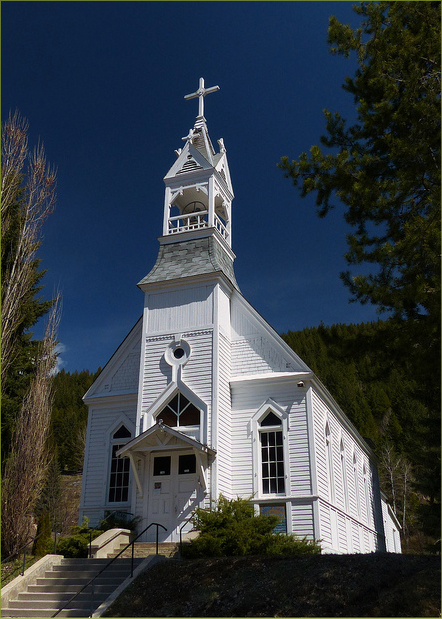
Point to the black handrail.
(116, 511)
(157, 524)
(32, 540)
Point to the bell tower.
(198, 196)
(197, 220)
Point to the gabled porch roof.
(163, 438)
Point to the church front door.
(174, 492)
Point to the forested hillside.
(69, 417)
(391, 392)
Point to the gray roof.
(189, 258)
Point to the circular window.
(177, 353)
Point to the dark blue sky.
(102, 85)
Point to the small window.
(161, 465)
(187, 464)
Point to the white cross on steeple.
(201, 93)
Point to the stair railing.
(91, 582)
(24, 550)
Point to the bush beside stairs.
(47, 594)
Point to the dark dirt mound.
(375, 585)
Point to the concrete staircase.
(145, 549)
(61, 582)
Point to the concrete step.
(47, 595)
(41, 613)
(144, 549)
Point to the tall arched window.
(356, 482)
(329, 462)
(367, 495)
(344, 474)
(272, 455)
(119, 468)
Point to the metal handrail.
(116, 511)
(157, 524)
(32, 540)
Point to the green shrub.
(233, 529)
(77, 545)
(116, 521)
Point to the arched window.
(367, 495)
(180, 413)
(344, 474)
(356, 482)
(329, 462)
(119, 468)
(272, 455)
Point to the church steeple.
(197, 223)
(198, 195)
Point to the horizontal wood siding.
(157, 374)
(356, 497)
(180, 309)
(224, 451)
(246, 400)
(302, 520)
(299, 457)
(197, 373)
(101, 422)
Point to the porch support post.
(134, 469)
(201, 470)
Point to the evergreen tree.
(385, 169)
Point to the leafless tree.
(26, 466)
(27, 198)
(27, 180)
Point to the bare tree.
(27, 197)
(27, 464)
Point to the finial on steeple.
(201, 93)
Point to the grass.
(376, 585)
(12, 569)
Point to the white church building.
(204, 398)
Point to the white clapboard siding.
(242, 455)
(302, 520)
(180, 309)
(197, 372)
(299, 455)
(156, 372)
(101, 424)
(224, 457)
(325, 525)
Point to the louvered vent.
(189, 166)
(223, 174)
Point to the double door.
(174, 492)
